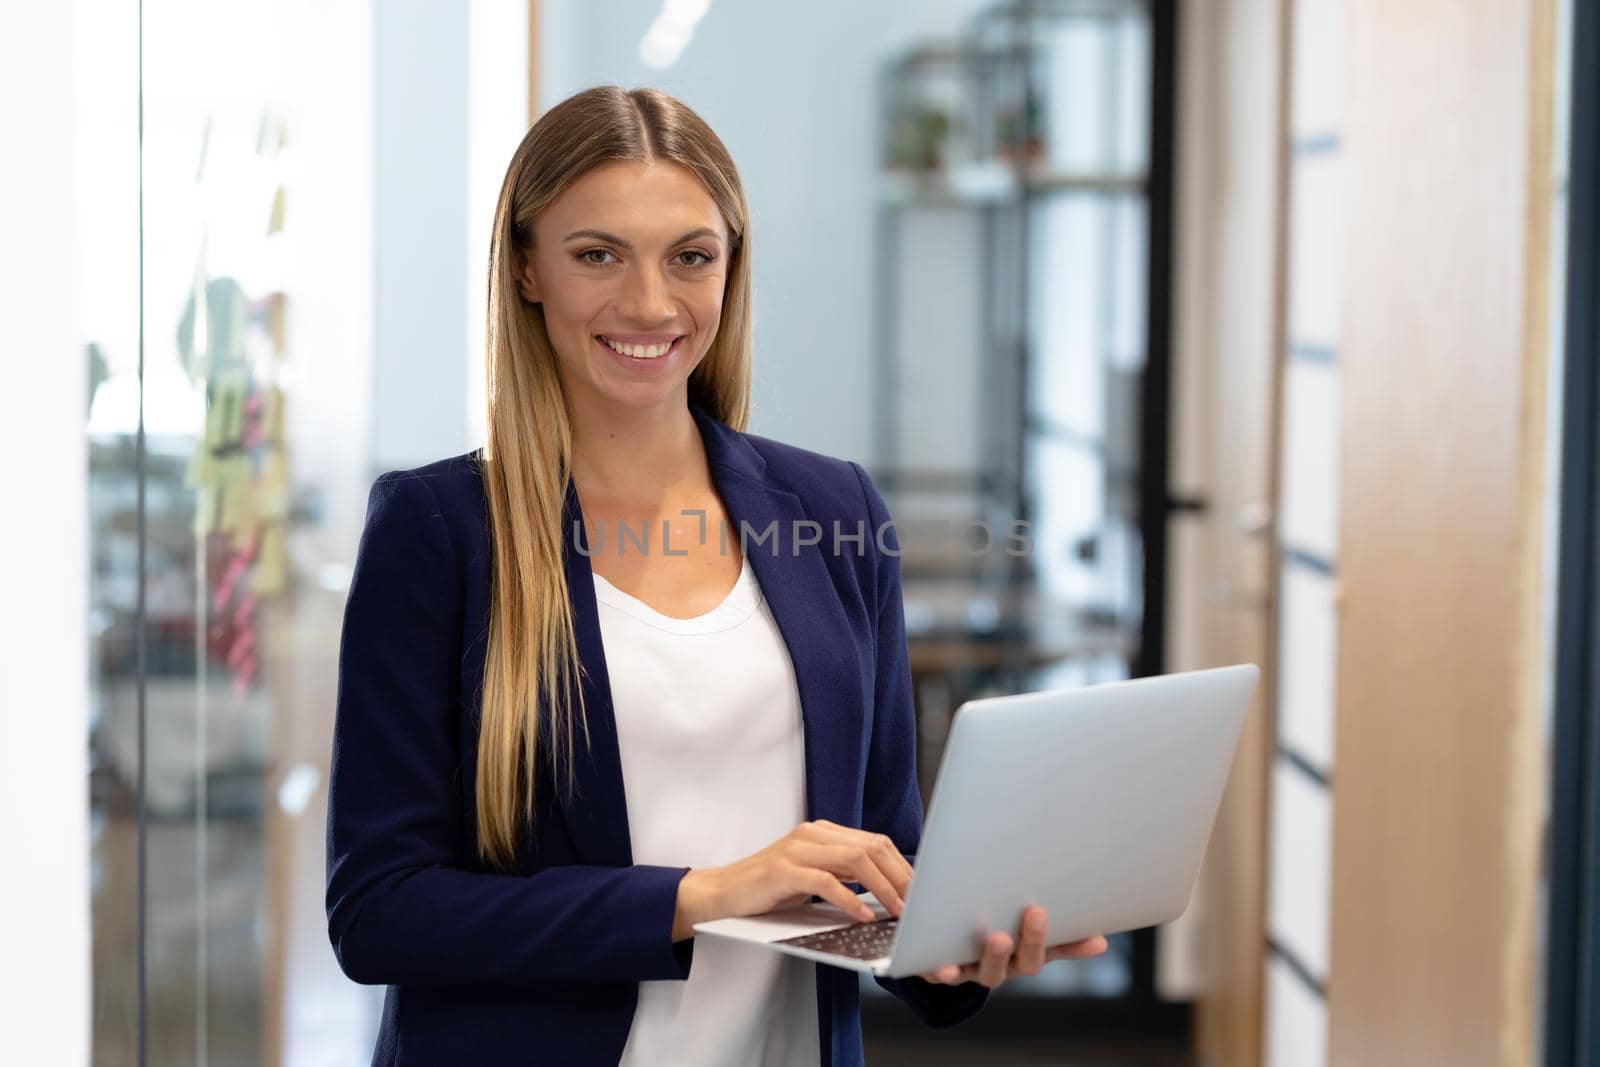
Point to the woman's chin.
(642, 396)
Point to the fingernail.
(1036, 925)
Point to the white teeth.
(637, 351)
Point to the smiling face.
(630, 263)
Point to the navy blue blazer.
(542, 966)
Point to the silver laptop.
(1096, 803)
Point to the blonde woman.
(614, 674)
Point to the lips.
(637, 351)
(639, 338)
(672, 347)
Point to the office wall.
(1435, 813)
(420, 170)
(499, 86)
(44, 685)
(805, 144)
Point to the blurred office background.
(1272, 319)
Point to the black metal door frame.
(1572, 1030)
(1155, 502)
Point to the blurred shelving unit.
(1021, 364)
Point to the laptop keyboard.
(858, 941)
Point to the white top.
(713, 765)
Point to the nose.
(646, 298)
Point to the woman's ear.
(527, 277)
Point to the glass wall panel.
(106, 148)
(217, 606)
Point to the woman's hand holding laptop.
(1000, 963)
(817, 858)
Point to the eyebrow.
(601, 235)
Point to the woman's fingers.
(952, 974)
(1031, 954)
(1030, 947)
(818, 857)
(996, 959)
(879, 849)
(881, 846)
(852, 862)
(1077, 950)
(836, 892)
(900, 861)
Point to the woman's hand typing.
(815, 858)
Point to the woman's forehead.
(656, 201)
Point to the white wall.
(497, 119)
(44, 896)
(419, 232)
(330, 276)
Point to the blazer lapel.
(598, 817)
(800, 593)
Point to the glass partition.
(227, 432)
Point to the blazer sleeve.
(402, 909)
(892, 801)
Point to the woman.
(560, 744)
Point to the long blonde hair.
(531, 668)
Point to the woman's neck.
(636, 455)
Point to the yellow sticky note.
(271, 562)
(272, 488)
